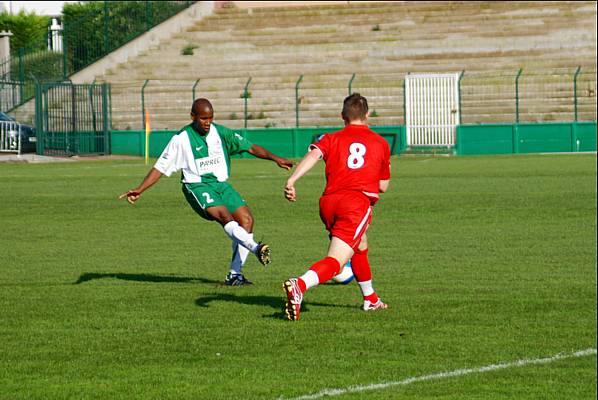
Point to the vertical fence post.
(105, 121)
(351, 83)
(245, 97)
(575, 142)
(405, 103)
(21, 75)
(38, 119)
(459, 89)
(110, 106)
(193, 90)
(45, 115)
(143, 102)
(297, 101)
(65, 58)
(517, 95)
(106, 30)
(577, 71)
(515, 139)
(74, 123)
(148, 15)
(91, 105)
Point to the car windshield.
(4, 117)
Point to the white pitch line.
(443, 375)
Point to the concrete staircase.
(378, 42)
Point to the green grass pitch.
(482, 260)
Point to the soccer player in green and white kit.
(202, 151)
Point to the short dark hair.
(198, 103)
(355, 107)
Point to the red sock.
(373, 298)
(361, 265)
(302, 285)
(326, 268)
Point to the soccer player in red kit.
(357, 170)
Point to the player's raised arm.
(265, 154)
(305, 165)
(133, 195)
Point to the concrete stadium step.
(382, 26)
(507, 118)
(431, 10)
(423, 64)
(381, 30)
(276, 45)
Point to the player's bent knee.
(244, 218)
(246, 221)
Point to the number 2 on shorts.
(356, 154)
(208, 198)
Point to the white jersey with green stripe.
(202, 158)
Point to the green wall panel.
(158, 141)
(526, 138)
(471, 139)
(133, 142)
(543, 138)
(294, 142)
(484, 139)
(585, 135)
(127, 142)
(278, 141)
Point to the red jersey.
(357, 159)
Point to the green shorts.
(205, 195)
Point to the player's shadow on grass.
(141, 278)
(275, 302)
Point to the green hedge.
(29, 30)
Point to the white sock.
(366, 287)
(240, 254)
(239, 235)
(310, 278)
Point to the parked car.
(9, 139)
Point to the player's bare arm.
(383, 185)
(133, 195)
(305, 165)
(265, 154)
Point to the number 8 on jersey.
(356, 154)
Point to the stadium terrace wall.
(471, 139)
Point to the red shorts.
(346, 215)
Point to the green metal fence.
(11, 93)
(82, 41)
(72, 119)
(115, 23)
(311, 101)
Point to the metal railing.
(83, 41)
(310, 101)
(72, 118)
(10, 137)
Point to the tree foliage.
(29, 30)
